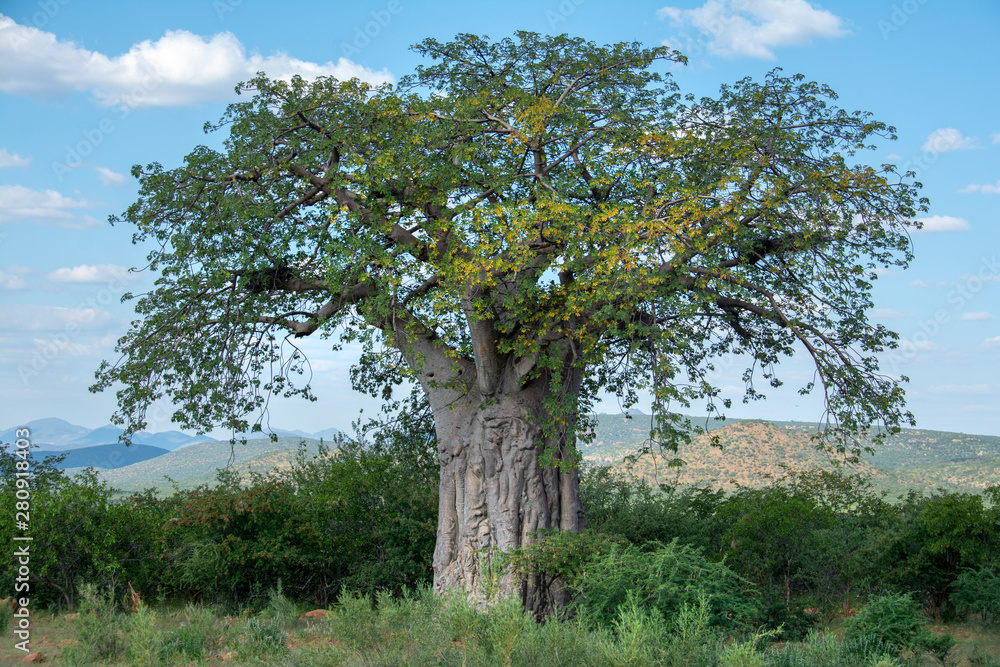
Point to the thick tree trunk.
(495, 492)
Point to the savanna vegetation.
(755, 576)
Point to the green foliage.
(79, 533)
(199, 633)
(102, 629)
(432, 211)
(933, 539)
(355, 519)
(261, 638)
(559, 555)
(629, 508)
(978, 592)
(664, 577)
(897, 621)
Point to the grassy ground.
(427, 630)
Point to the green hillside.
(197, 464)
(753, 451)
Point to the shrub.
(898, 622)
(80, 533)
(198, 634)
(351, 521)
(978, 592)
(664, 577)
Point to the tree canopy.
(531, 210)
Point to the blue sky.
(87, 89)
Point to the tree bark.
(495, 492)
(494, 489)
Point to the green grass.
(421, 628)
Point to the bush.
(80, 533)
(664, 577)
(355, 520)
(935, 540)
(978, 592)
(898, 622)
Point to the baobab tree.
(517, 226)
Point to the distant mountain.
(107, 457)
(105, 435)
(169, 440)
(326, 434)
(50, 432)
(53, 434)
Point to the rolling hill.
(197, 464)
(753, 451)
(107, 456)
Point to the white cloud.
(47, 207)
(887, 314)
(86, 273)
(961, 389)
(995, 137)
(43, 347)
(177, 69)
(25, 317)
(753, 27)
(941, 223)
(947, 139)
(111, 179)
(991, 343)
(917, 346)
(976, 317)
(982, 189)
(930, 285)
(10, 280)
(12, 160)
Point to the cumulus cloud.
(86, 273)
(111, 179)
(941, 223)
(976, 317)
(177, 69)
(947, 139)
(991, 344)
(995, 137)
(753, 27)
(981, 189)
(8, 160)
(47, 207)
